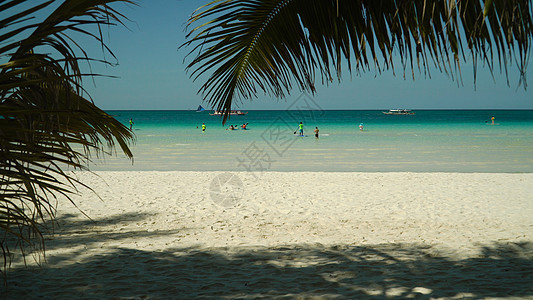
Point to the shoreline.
(240, 171)
(158, 234)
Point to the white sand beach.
(186, 235)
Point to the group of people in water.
(244, 126)
(300, 129)
(234, 127)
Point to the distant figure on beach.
(361, 127)
(243, 126)
(301, 128)
(131, 124)
(203, 127)
(231, 127)
(316, 132)
(492, 120)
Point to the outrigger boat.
(232, 113)
(399, 112)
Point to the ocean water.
(429, 141)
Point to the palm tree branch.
(46, 125)
(242, 46)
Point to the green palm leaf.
(247, 46)
(47, 126)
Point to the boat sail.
(200, 109)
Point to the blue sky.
(151, 75)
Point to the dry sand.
(184, 235)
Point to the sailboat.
(200, 109)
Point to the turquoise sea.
(429, 141)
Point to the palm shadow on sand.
(394, 271)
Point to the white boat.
(232, 112)
(399, 112)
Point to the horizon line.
(329, 109)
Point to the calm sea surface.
(429, 141)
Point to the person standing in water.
(492, 120)
(203, 127)
(301, 128)
(361, 127)
(131, 124)
(316, 132)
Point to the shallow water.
(429, 141)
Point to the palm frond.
(247, 46)
(47, 126)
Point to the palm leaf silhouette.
(248, 46)
(47, 126)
